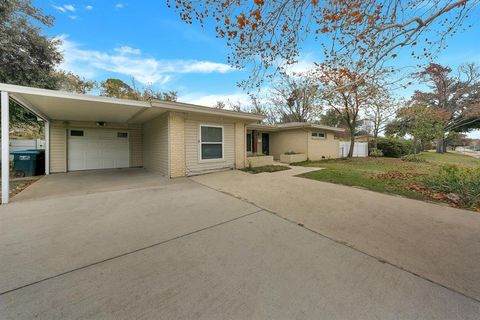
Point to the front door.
(265, 143)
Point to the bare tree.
(219, 105)
(347, 95)
(271, 117)
(296, 99)
(380, 112)
(236, 106)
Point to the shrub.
(257, 154)
(291, 152)
(464, 183)
(269, 169)
(412, 158)
(375, 152)
(409, 146)
(394, 148)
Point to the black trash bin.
(28, 162)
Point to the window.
(122, 134)
(249, 142)
(76, 133)
(211, 142)
(319, 135)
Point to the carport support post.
(47, 147)
(5, 147)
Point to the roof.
(293, 125)
(182, 107)
(61, 105)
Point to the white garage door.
(97, 149)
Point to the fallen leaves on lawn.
(450, 198)
(393, 175)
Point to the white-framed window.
(211, 142)
(319, 135)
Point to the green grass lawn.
(265, 169)
(450, 158)
(387, 175)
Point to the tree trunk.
(352, 145)
(441, 145)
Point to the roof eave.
(186, 107)
(294, 127)
(327, 128)
(70, 95)
(312, 126)
(262, 127)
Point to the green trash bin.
(28, 162)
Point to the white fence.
(17, 144)
(360, 149)
(27, 144)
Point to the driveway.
(151, 248)
(436, 242)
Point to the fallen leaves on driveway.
(18, 186)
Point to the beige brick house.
(315, 141)
(84, 132)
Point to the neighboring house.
(316, 141)
(86, 132)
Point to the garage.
(90, 149)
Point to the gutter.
(186, 107)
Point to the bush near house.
(270, 169)
(375, 152)
(395, 148)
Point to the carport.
(85, 132)
(57, 107)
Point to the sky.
(147, 41)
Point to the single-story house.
(314, 140)
(84, 132)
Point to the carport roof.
(60, 105)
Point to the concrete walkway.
(178, 250)
(438, 243)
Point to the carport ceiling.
(80, 110)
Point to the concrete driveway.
(436, 242)
(151, 248)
